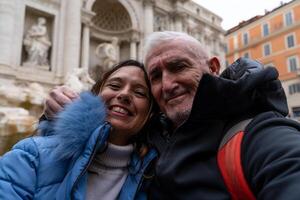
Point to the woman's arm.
(18, 171)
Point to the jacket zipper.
(85, 169)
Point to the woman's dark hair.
(139, 140)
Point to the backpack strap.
(229, 162)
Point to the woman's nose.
(124, 96)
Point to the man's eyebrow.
(176, 61)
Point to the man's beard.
(178, 118)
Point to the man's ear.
(214, 65)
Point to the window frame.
(246, 34)
(287, 41)
(285, 18)
(263, 29)
(270, 49)
(296, 61)
(294, 88)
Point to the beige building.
(75, 28)
(44, 43)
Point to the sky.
(234, 11)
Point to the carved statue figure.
(107, 53)
(79, 80)
(37, 44)
(14, 95)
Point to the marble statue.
(37, 44)
(14, 95)
(79, 80)
(107, 53)
(108, 56)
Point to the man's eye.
(178, 67)
(155, 76)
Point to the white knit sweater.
(107, 172)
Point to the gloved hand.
(240, 68)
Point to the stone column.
(72, 35)
(85, 47)
(149, 16)
(133, 44)
(86, 17)
(133, 48)
(7, 25)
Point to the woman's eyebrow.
(114, 79)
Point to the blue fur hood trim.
(74, 126)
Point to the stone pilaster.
(149, 16)
(85, 50)
(133, 45)
(72, 35)
(7, 25)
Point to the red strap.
(229, 161)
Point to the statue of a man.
(37, 44)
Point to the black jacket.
(187, 167)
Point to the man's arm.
(57, 99)
(271, 157)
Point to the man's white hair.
(157, 38)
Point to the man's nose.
(168, 83)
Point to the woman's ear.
(214, 65)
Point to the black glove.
(241, 67)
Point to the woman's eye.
(113, 86)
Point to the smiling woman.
(126, 93)
(90, 147)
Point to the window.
(294, 88)
(266, 30)
(245, 39)
(288, 19)
(296, 112)
(267, 49)
(293, 64)
(226, 48)
(246, 55)
(290, 41)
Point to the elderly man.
(200, 107)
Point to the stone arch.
(127, 5)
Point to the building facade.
(44, 43)
(76, 28)
(274, 40)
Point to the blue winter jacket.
(54, 166)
